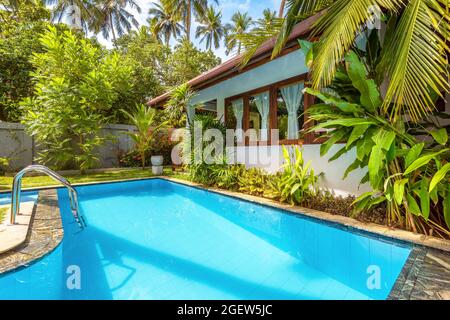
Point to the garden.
(63, 86)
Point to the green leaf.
(383, 140)
(339, 153)
(422, 161)
(356, 133)
(363, 147)
(363, 196)
(412, 204)
(440, 136)
(370, 96)
(351, 167)
(424, 199)
(399, 189)
(439, 175)
(307, 49)
(413, 153)
(446, 206)
(343, 105)
(336, 136)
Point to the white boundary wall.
(17, 145)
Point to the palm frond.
(416, 59)
(338, 28)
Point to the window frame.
(309, 138)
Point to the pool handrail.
(17, 186)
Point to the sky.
(228, 8)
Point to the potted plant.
(145, 120)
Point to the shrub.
(76, 84)
(297, 181)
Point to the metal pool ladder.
(17, 186)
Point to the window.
(279, 106)
(290, 109)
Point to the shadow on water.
(111, 246)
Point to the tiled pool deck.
(426, 274)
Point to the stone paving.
(45, 234)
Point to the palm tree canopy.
(115, 18)
(414, 57)
(187, 8)
(240, 24)
(211, 28)
(165, 20)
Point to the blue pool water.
(155, 239)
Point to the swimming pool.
(155, 239)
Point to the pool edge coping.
(41, 238)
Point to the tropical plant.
(19, 40)
(176, 106)
(227, 176)
(4, 164)
(114, 18)
(297, 182)
(241, 24)
(414, 60)
(254, 181)
(211, 28)
(76, 85)
(165, 20)
(405, 169)
(188, 7)
(145, 120)
(185, 63)
(200, 169)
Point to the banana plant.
(297, 181)
(407, 172)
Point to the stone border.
(45, 234)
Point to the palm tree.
(80, 12)
(211, 28)
(268, 18)
(165, 21)
(241, 23)
(414, 59)
(281, 11)
(114, 17)
(189, 7)
(145, 120)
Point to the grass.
(3, 212)
(42, 181)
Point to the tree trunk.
(188, 20)
(281, 11)
(112, 30)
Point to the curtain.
(262, 103)
(238, 110)
(292, 96)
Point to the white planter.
(157, 160)
(157, 170)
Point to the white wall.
(282, 68)
(271, 159)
